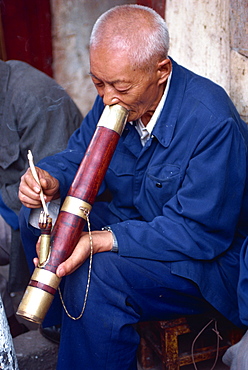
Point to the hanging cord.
(215, 330)
(86, 211)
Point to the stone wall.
(71, 27)
(209, 37)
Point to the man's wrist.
(115, 243)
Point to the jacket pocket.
(162, 182)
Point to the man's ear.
(164, 70)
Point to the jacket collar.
(166, 123)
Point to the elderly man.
(178, 181)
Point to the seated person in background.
(179, 210)
(37, 114)
(236, 357)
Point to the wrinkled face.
(118, 82)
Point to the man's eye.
(122, 91)
(98, 84)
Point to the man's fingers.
(102, 242)
(68, 267)
(29, 190)
(29, 202)
(76, 259)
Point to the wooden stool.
(170, 342)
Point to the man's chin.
(132, 116)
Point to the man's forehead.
(110, 67)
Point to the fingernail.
(36, 189)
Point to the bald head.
(137, 30)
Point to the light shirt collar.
(145, 131)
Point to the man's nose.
(109, 96)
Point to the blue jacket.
(182, 198)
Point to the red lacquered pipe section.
(74, 211)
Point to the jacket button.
(159, 185)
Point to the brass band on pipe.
(113, 117)
(46, 277)
(76, 206)
(36, 302)
(45, 249)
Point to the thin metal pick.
(35, 175)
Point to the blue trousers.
(123, 291)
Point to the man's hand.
(102, 242)
(29, 189)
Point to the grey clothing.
(5, 239)
(37, 114)
(236, 357)
(6, 298)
